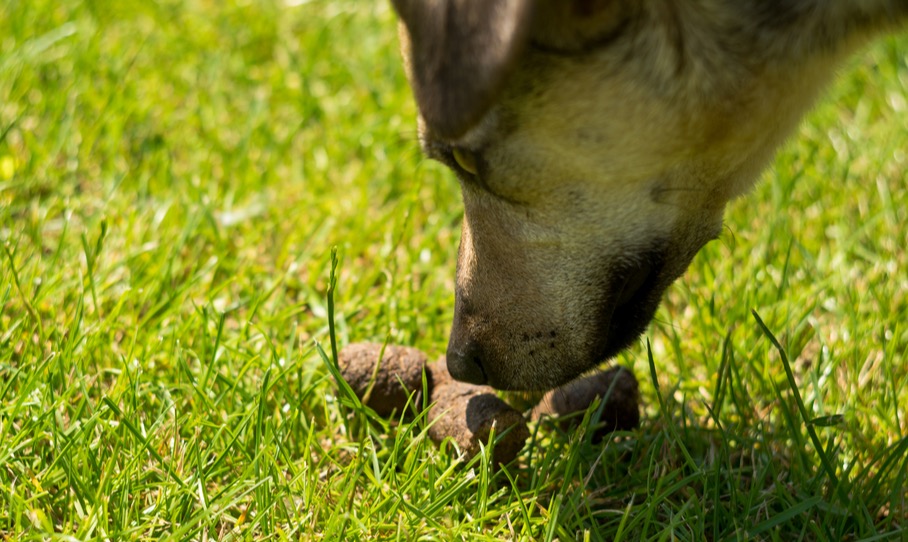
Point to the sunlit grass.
(173, 177)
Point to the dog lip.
(632, 284)
(636, 292)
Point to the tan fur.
(607, 149)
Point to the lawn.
(174, 176)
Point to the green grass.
(173, 177)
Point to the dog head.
(596, 155)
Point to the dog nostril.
(465, 364)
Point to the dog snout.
(465, 362)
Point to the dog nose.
(465, 363)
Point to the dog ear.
(459, 53)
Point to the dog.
(597, 143)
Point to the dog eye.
(465, 159)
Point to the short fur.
(597, 143)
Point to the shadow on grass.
(744, 475)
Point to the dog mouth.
(635, 303)
(633, 284)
